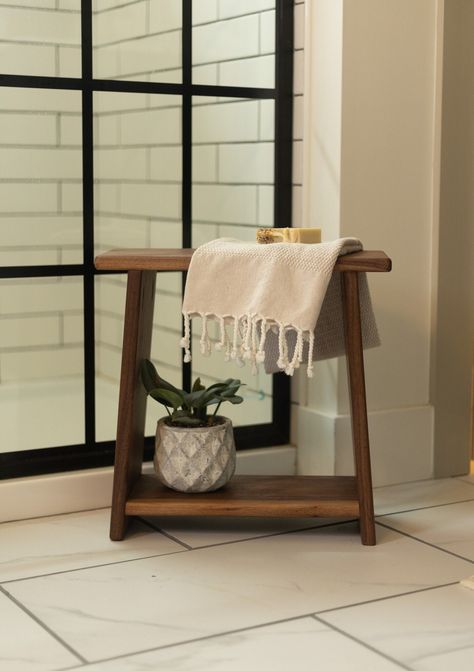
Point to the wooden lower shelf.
(251, 496)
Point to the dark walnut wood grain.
(252, 496)
(179, 259)
(132, 399)
(360, 429)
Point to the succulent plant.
(188, 409)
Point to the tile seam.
(363, 643)
(44, 626)
(420, 540)
(436, 505)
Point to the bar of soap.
(306, 235)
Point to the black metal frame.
(94, 454)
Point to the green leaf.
(185, 419)
(225, 383)
(167, 397)
(194, 399)
(152, 380)
(149, 376)
(235, 400)
(197, 386)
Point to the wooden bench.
(272, 496)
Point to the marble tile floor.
(244, 594)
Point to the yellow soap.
(306, 235)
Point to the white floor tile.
(130, 607)
(420, 494)
(302, 645)
(428, 631)
(201, 531)
(58, 543)
(467, 478)
(448, 527)
(25, 645)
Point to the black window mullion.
(88, 221)
(282, 194)
(186, 139)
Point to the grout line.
(198, 639)
(85, 568)
(45, 517)
(276, 533)
(460, 477)
(165, 533)
(260, 626)
(420, 540)
(164, 554)
(43, 625)
(386, 598)
(437, 505)
(363, 643)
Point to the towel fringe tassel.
(251, 331)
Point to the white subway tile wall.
(40, 38)
(137, 167)
(41, 343)
(137, 40)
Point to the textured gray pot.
(195, 459)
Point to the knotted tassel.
(205, 342)
(185, 340)
(246, 353)
(233, 352)
(297, 354)
(309, 371)
(221, 344)
(260, 357)
(282, 350)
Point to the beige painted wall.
(389, 126)
(454, 317)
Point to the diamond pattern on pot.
(195, 460)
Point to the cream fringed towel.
(270, 302)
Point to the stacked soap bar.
(307, 235)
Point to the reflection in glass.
(232, 197)
(234, 43)
(40, 41)
(165, 349)
(42, 361)
(138, 40)
(137, 168)
(40, 177)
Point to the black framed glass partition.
(128, 124)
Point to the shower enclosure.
(140, 123)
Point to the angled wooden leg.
(132, 401)
(360, 431)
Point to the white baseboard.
(401, 442)
(23, 498)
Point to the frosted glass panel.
(40, 177)
(234, 43)
(40, 38)
(42, 361)
(137, 40)
(137, 169)
(165, 351)
(232, 197)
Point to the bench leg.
(132, 400)
(360, 432)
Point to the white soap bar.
(468, 582)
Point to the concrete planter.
(195, 460)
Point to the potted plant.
(195, 450)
